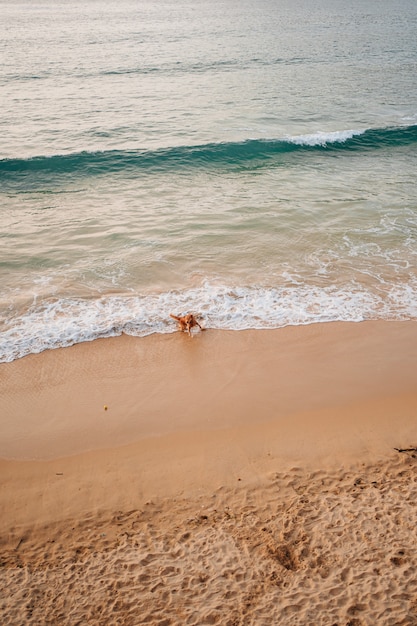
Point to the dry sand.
(235, 479)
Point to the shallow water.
(254, 163)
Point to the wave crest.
(249, 153)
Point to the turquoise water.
(252, 162)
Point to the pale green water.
(253, 162)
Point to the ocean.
(252, 162)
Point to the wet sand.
(228, 478)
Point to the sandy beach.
(231, 478)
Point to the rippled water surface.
(253, 162)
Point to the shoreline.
(235, 478)
(116, 391)
(189, 414)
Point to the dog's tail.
(174, 317)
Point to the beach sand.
(231, 478)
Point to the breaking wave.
(247, 154)
(57, 322)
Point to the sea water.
(253, 162)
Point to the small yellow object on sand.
(105, 407)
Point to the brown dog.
(186, 322)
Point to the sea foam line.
(63, 322)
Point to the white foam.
(63, 322)
(323, 138)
